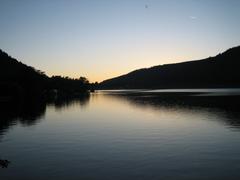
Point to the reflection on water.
(27, 113)
(64, 103)
(30, 112)
(4, 163)
(228, 107)
(130, 135)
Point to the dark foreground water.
(120, 135)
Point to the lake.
(127, 134)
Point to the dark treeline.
(66, 86)
(19, 81)
(220, 71)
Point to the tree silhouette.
(19, 81)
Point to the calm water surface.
(111, 135)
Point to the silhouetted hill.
(18, 81)
(17, 78)
(222, 70)
(13, 70)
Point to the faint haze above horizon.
(101, 39)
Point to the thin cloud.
(193, 17)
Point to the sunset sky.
(101, 39)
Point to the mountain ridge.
(218, 71)
(20, 81)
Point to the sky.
(101, 39)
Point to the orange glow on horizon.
(118, 68)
